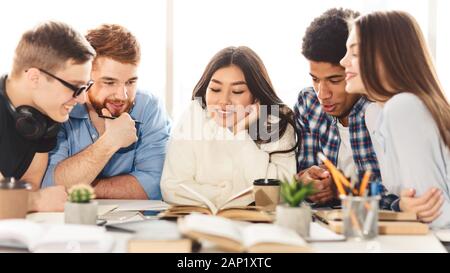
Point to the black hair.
(257, 80)
(325, 38)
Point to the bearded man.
(116, 142)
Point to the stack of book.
(389, 222)
(152, 236)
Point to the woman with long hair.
(236, 130)
(387, 59)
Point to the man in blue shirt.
(121, 156)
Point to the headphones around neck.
(28, 121)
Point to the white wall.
(146, 19)
(273, 28)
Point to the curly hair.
(325, 38)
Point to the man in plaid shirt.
(330, 120)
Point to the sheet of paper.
(212, 225)
(73, 238)
(120, 216)
(443, 235)
(135, 205)
(319, 233)
(270, 233)
(20, 230)
(104, 209)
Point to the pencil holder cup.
(360, 217)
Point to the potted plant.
(80, 207)
(294, 213)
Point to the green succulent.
(295, 192)
(81, 193)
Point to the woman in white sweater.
(387, 59)
(235, 131)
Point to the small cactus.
(81, 193)
(295, 192)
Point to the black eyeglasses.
(76, 90)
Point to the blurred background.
(179, 37)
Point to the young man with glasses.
(50, 75)
(116, 142)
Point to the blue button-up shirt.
(144, 159)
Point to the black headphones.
(28, 121)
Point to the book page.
(242, 193)
(443, 235)
(270, 233)
(21, 231)
(319, 233)
(73, 238)
(212, 225)
(205, 200)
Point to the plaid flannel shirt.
(319, 133)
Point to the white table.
(386, 244)
(383, 243)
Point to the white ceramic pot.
(295, 218)
(81, 213)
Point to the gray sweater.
(413, 154)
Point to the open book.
(227, 209)
(237, 236)
(34, 237)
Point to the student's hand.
(249, 118)
(51, 199)
(319, 175)
(1, 176)
(120, 131)
(427, 207)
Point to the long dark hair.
(394, 58)
(258, 82)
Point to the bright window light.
(146, 19)
(273, 28)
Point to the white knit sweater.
(218, 164)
